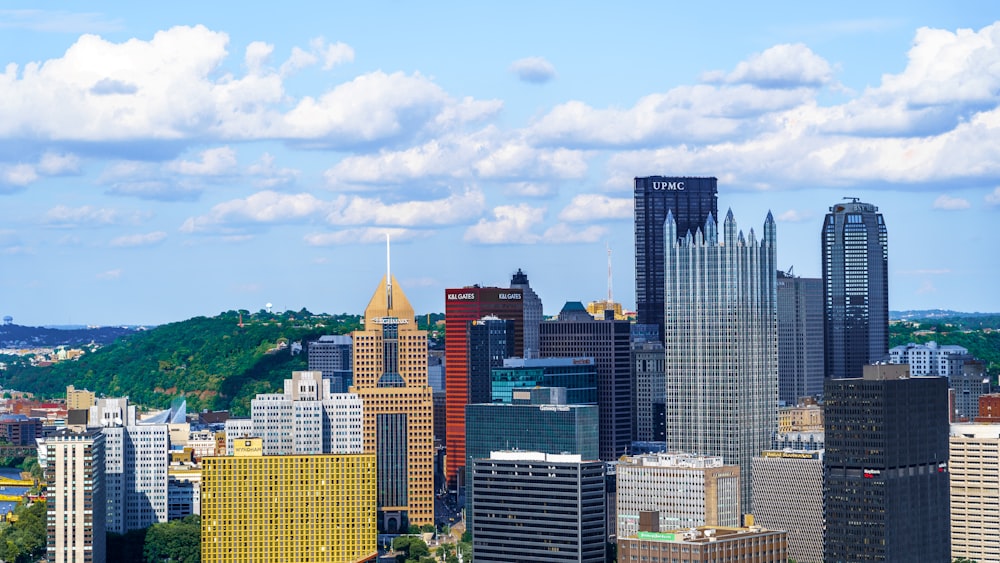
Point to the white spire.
(609, 274)
(388, 276)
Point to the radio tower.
(609, 304)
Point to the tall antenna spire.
(609, 305)
(388, 276)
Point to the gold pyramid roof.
(378, 307)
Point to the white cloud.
(511, 224)
(333, 54)
(455, 209)
(595, 207)
(533, 69)
(212, 162)
(110, 274)
(950, 203)
(260, 208)
(794, 216)
(19, 175)
(562, 233)
(781, 66)
(993, 198)
(369, 235)
(530, 189)
(147, 239)
(87, 216)
(266, 175)
(58, 164)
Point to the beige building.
(75, 498)
(686, 490)
(974, 471)
(390, 376)
(705, 544)
(787, 494)
(78, 399)
(801, 418)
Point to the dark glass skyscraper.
(690, 200)
(886, 484)
(855, 288)
(800, 337)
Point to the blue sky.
(160, 161)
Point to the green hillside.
(211, 361)
(980, 335)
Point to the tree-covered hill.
(979, 334)
(211, 361)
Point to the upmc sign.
(668, 186)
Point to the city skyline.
(159, 163)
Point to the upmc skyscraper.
(690, 200)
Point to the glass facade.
(691, 201)
(580, 381)
(800, 338)
(855, 288)
(721, 344)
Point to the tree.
(24, 539)
(412, 549)
(177, 541)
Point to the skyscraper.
(800, 337)
(787, 486)
(390, 376)
(331, 355)
(721, 343)
(576, 334)
(490, 342)
(531, 506)
(691, 201)
(461, 306)
(885, 472)
(74, 471)
(532, 313)
(973, 464)
(855, 288)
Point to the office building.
(810, 441)
(720, 343)
(650, 389)
(685, 490)
(536, 507)
(79, 399)
(806, 417)
(787, 487)
(318, 508)
(135, 466)
(966, 388)
(705, 544)
(800, 337)
(19, 430)
(490, 343)
(690, 201)
(578, 376)
(390, 376)
(461, 307)
(331, 355)
(307, 418)
(974, 469)
(183, 490)
(576, 334)
(533, 314)
(75, 497)
(537, 420)
(855, 288)
(885, 470)
(930, 359)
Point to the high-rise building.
(686, 491)
(885, 470)
(533, 314)
(135, 466)
(787, 486)
(461, 307)
(855, 288)
(691, 201)
(578, 376)
(331, 355)
(318, 508)
(930, 359)
(79, 399)
(306, 419)
(966, 389)
(650, 388)
(800, 338)
(721, 343)
(576, 334)
(974, 468)
(531, 506)
(74, 472)
(490, 343)
(537, 420)
(390, 376)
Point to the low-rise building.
(705, 544)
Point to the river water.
(10, 473)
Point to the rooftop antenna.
(608, 305)
(388, 276)
(853, 199)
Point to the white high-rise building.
(75, 477)
(930, 359)
(686, 490)
(135, 466)
(306, 419)
(974, 472)
(720, 341)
